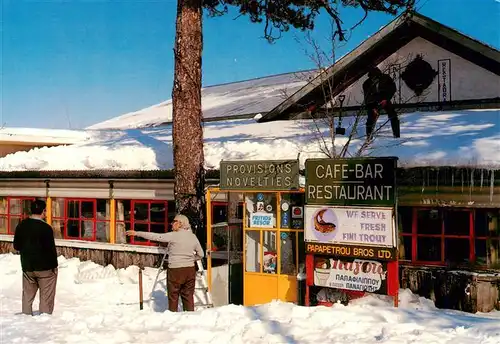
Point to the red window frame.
(442, 236)
(65, 218)
(8, 216)
(148, 222)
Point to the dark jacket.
(34, 239)
(377, 89)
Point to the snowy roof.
(43, 136)
(470, 138)
(237, 99)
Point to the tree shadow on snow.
(274, 327)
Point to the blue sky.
(70, 64)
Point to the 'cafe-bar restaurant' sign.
(262, 175)
(363, 181)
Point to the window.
(220, 228)
(141, 216)
(12, 211)
(445, 236)
(81, 219)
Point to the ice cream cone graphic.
(321, 276)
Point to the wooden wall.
(119, 259)
(460, 290)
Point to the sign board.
(262, 220)
(364, 181)
(358, 274)
(350, 226)
(279, 175)
(355, 251)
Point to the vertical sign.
(444, 80)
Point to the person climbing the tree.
(378, 91)
(184, 249)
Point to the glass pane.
(14, 221)
(219, 213)
(158, 212)
(288, 241)
(102, 231)
(3, 224)
(158, 228)
(429, 249)
(171, 211)
(481, 223)
(457, 222)
(220, 238)
(141, 227)
(58, 207)
(404, 247)
(456, 250)
(103, 209)
(302, 249)
(58, 227)
(26, 207)
(494, 253)
(405, 219)
(141, 211)
(3, 205)
(88, 210)
(73, 229)
(481, 250)
(429, 222)
(87, 229)
(270, 251)
(253, 251)
(15, 206)
(261, 210)
(73, 209)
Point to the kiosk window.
(288, 244)
(260, 210)
(253, 251)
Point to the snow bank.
(96, 304)
(437, 139)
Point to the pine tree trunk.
(187, 132)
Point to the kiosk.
(255, 231)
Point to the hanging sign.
(367, 181)
(357, 274)
(350, 226)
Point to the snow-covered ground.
(96, 304)
(441, 138)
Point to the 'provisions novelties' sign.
(357, 274)
(350, 225)
(364, 181)
(259, 175)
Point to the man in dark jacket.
(34, 239)
(378, 91)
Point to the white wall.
(466, 80)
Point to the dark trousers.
(46, 282)
(181, 281)
(373, 114)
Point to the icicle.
(462, 181)
(492, 184)
(471, 186)
(482, 171)
(437, 180)
(452, 178)
(423, 181)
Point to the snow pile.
(438, 139)
(118, 150)
(232, 99)
(96, 304)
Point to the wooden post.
(141, 301)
